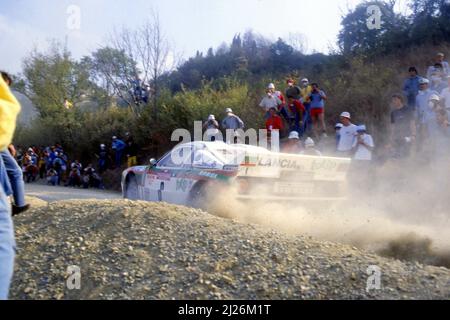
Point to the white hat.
(434, 97)
(423, 81)
(440, 54)
(345, 114)
(309, 142)
(304, 80)
(293, 135)
(271, 86)
(114, 137)
(211, 117)
(338, 125)
(361, 128)
(102, 145)
(228, 110)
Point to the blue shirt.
(118, 145)
(317, 100)
(410, 89)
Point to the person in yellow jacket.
(9, 109)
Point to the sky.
(190, 25)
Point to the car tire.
(199, 196)
(131, 189)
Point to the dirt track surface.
(55, 193)
(141, 250)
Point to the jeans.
(15, 176)
(119, 158)
(7, 246)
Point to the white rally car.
(190, 171)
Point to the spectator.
(14, 172)
(270, 101)
(403, 127)
(437, 82)
(445, 96)
(440, 60)
(102, 158)
(411, 86)
(293, 143)
(52, 177)
(212, 128)
(317, 113)
(305, 91)
(118, 146)
(337, 130)
(276, 93)
(425, 114)
(128, 137)
(232, 122)
(363, 144)
(292, 90)
(132, 151)
(310, 149)
(9, 109)
(74, 177)
(347, 135)
(296, 112)
(274, 122)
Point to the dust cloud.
(398, 209)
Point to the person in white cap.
(278, 94)
(231, 122)
(347, 135)
(310, 149)
(439, 59)
(270, 101)
(292, 145)
(363, 144)
(212, 128)
(425, 114)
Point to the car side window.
(176, 158)
(204, 159)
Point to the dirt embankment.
(139, 250)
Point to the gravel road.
(141, 250)
(55, 193)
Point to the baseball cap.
(228, 110)
(271, 86)
(293, 135)
(440, 54)
(434, 97)
(304, 80)
(114, 137)
(309, 142)
(423, 81)
(345, 114)
(211, 117)
(361, 127)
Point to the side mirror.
(153, 162)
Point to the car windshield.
(178, 157)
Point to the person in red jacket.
(274, 122)
(296, 110)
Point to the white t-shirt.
(363, 152)
(445, 94)
(268, 103)
(347, 136)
